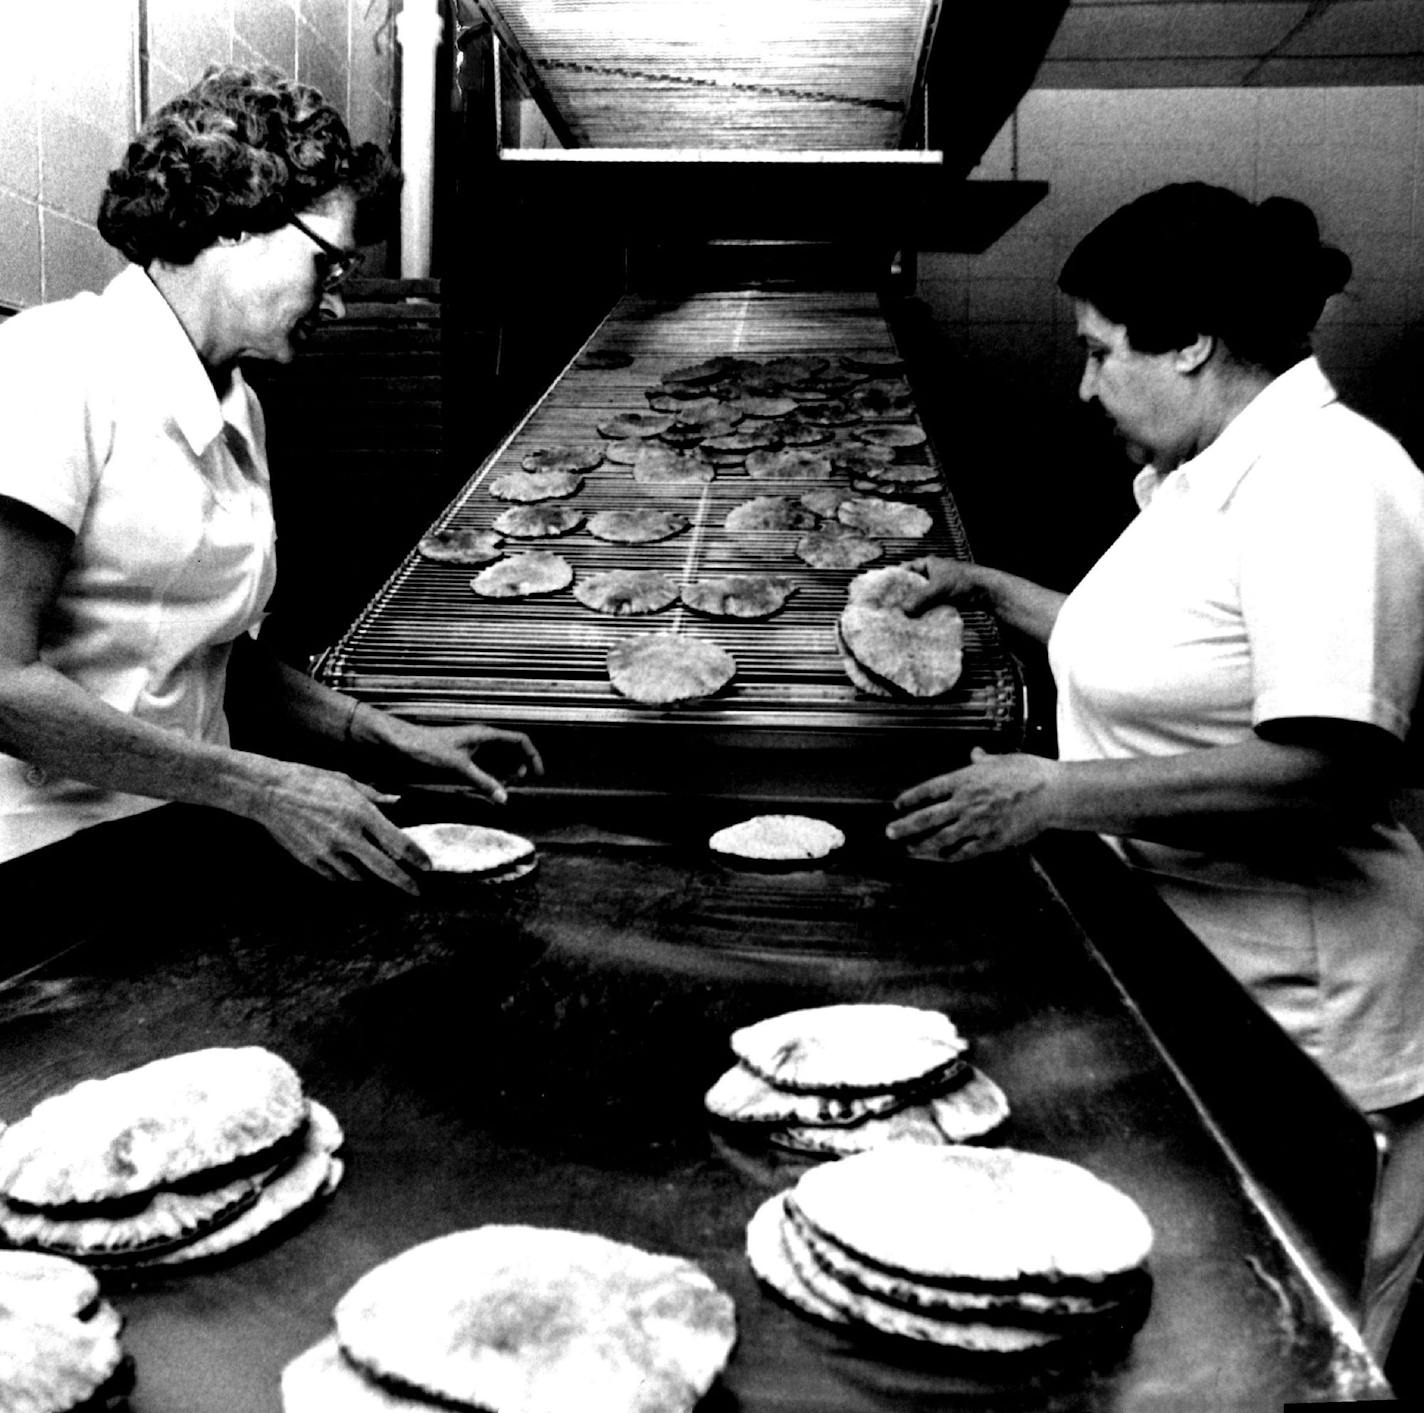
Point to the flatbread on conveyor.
(656, 464)
(663, 669)
(769, 513)
(793, 431)
(635, 424)
(708, 371)
(738, 444)
(919, 657)
(778, 837)
(636, 527)
(529, 486)
(523, 1319)
(751, 405)
(563, 458)
(524, 575)
(889, 400)
(892, 519)
(837, 547)
(794, 368)
(535, 522)
(900, 473)
(872, 361)
(892, 434)
(708, 414)
(626, 591)
(739, 595)
(790, 463)
(858, 458)
(474, 850)
(824, 502)
(460, 546)
(831, 413)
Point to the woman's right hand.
(332, 824)
(945, 581)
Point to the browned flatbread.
(530, 486)
(523, 576)
(635, 424)
(537, 1318)
(626, 591)
(824, 502)
(889, 518)
(769, 513)
(663, 669)
(739, 595)
(534, 522)
(636, 527)
(562, 458)
(793, 431)
(707, 413)
(655, 464)
(920, 656)
(858, 458)
(741, 442)
(791, 464)
(837, 547)
(892, 434)
(460, 546)
(753, 406)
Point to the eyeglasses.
(340, 264)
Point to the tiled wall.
(68, 106)
(1355, 155)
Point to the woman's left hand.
(451, 750)
(993, 803)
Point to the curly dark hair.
(241, 151)
(1191, 259)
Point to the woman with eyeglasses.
(136, 530)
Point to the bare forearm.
(68, 732)
(1027, 607)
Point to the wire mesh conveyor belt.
(427, 641)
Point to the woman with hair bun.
(1236, 674)
(136, 528)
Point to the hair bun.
(1289, 230)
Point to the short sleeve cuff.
(1327, 700)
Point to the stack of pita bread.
(183, 1158)
(59, 1341)
(519, 1319)
(838, 1079)
(474, 851)
(885, 651)
(989, 1251)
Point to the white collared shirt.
(111, 427)
(1278, 574)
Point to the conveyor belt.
(427, 643)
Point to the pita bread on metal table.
(471, 849)
(778, 836)
(515, 1319)
(534, 522)
(626, 591)
(635, 424)
(795, 432)
(892, 434)
(708, 371)
(888, 399)
(789, 463)
(524, 575)
(664, 669)
(752, 405)
(921, 657)
(461, 546)
(769, 513)
(824, 502)
(707, 413)
(741, 1096)
(636, 527)
(655, 464)
(739, 595)
(530, 486)
(871, 360)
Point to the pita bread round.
(530, 486)
(324, 1380)
(708, 371)
(146, 1127)
(872, 515)
(469, 848)
(563, 458)
(920, 656)
(662, 669)
(769, 513)
(824, 502)
(461, 546)
(635, 424)
(525, 1318)
(872, 360)
(626, 591)
(655, 464)
(636, 527)
(706, 414)
(968, 1111)
(900, 473)
(831, 413)
(739, 595)
(838, 548)
(52, 1363)
(850, 1048)
(754, 406)
(740, 443)
(770, 1261)
(685, 438)
(533, 522)
(892, 434)
(792, 368)
(778, 836)
(794, 432)
(524, 575)
(858, 459)
(741, 1096)
(888, 399)
(790, 463)
(1016, 1214)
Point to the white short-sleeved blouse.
(1278, 574)
(110, 425)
